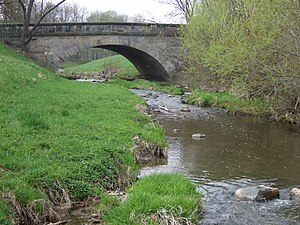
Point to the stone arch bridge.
(152, 48)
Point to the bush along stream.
(65, 145)
(251, 53)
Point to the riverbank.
(224, 100)
(63, 142)
(238, 106)
(209, 99)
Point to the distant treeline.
(11, 12)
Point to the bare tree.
(27, 9)
(1, 10)
(107, 16)
(137, 18)
(182, 7)
(67, 12)
(10, 11)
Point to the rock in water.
(257, 193)
(295, 194)
(198, 136)
(185, 109)
(267, 193)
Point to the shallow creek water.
(236, 152)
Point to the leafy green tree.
(251, 47)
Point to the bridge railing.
(81, 29)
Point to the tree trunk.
(27, 11)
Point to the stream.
(236, 152)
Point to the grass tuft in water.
(157, 198)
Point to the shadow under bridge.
(148, 66)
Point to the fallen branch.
(60, 222)
(164, 108)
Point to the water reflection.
(238, 147)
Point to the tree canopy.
(250, 47)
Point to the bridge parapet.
(82, 29)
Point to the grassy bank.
(158, 199)
(116, 65)
(229, 102)
(62, 140)
(204, 98)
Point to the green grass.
(56, 133)
(118, 62)
(229, 102)
(149, 85)
(6, 213)
(106, 203)
(68, 64)
(171, 194)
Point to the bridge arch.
(152, 48)
(147, 65)
(148, 54)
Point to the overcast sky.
(150, 9)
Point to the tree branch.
(40, 20)
(23, 8)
